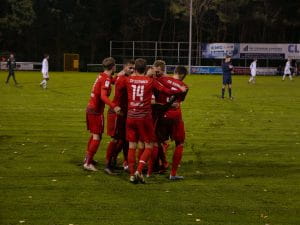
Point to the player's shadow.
(5, 137)
(122, 175)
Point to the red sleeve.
(158, 86)
(105, 86)
(105, 99)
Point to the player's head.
(140, 65)
(255, 60)
(46, 55)
(181, 72)
(109, 64)
(11, 55)
(150, 71)
(128, 66)
(159, 67)
(227, 58)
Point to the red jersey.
(120, 97)
(140, 90)
(99, 95)
(163, 98)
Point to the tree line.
(30, 28)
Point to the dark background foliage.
(32, 27)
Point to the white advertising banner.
(269, 51)
(266, 71)
(292, 51)
(22, 65)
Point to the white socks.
(44, 83)
(290, 76)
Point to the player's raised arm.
(157, 85)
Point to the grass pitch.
(241, 159)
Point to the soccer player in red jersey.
(139, 124)
(158, 154)
(170, 124)
(116, 123)
(94, 112)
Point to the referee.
(11, 65)
(227, 81)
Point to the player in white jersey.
(253, 71)
(45, 71)
(287, 70)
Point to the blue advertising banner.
(238, 70)
(220, 50)
(198, 69)
(170, 69)
(206, 70)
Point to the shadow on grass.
(122, 175)
(5, 137)
(213, 170)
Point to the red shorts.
(95, 123)
(116, 125)
(170, 128)
(140, 130)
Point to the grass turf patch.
(241, 157)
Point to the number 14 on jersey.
(137, 91)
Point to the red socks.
(176, 159)
(131, 160)
(109, 152)
(92, 149)
(140, 153)
(88, 145)
(144, 158)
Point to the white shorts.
(45, 75)
(287, 71)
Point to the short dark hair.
(46, 55)
(161, 64)
(128, 61)
(108, 63)
(148, 68)
(181, 70)
(140, 65)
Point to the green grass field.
(241, 159)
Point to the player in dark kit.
(227, 81)
(116, 124)
(11, 65)
(94, 112)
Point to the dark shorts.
(116, 125)
(95, 123)
(170, 128)
(227, 80)
(140, 130)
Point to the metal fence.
(175, 53)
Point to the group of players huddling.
(143, 115)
